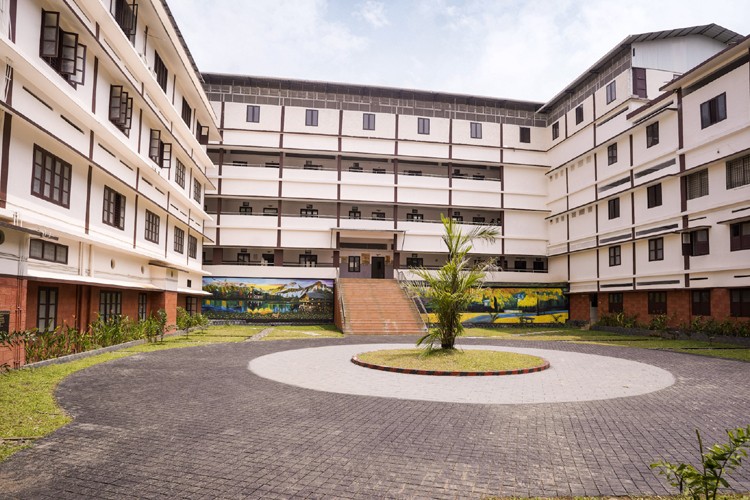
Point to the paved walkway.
(196, 423)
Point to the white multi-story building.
(321, 180)
(103, 163)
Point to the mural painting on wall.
(261, 299)
(515, 305)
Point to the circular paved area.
(572, 376)
(196, 423)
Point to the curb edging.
(412, 371)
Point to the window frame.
(655, 304)
(151, 227)
(652, 134)
(613, 208)
(311, 117)
(615, 302)
(739, 302)
(308, 260)
(615, 255)
(197, 190)
(423, 126)
(186, 112)
(110, 304)
(655, 249)
(192, 247)
(555, 130)
(161, 73)
(579, 114)
(51, 177)
(654, 196)
(738, 172)
(120, 109)
(714, 110)
(475, 130)
(47, 309)
(524, 135)
(354, 264)
(738, 240)
(612, 154)
(179, 240)
(179, 173)
(701, 306)
(696, 184)
(611, 92)
(39, 248)
(368, 121)
(113, 210)
(694, 247)
(252, 114)
(142, 306)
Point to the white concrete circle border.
(572, 377)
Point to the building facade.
(104, 163)
(593, 190)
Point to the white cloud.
(374, 13)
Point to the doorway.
(378, 268)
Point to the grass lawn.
(303, 332)
(26, 396)
(734, 496)
(452, 360)
(565, 334)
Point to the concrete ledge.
(442, 373)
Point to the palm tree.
(450, 289)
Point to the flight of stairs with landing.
(376, 307)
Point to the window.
(653, 194)
(457, 217)
(657, 302)
(701, 303)
(615, 256)
(613, 208)
(615, 302)
(415, 217)
(740, 236)
(270, 211)
(525, 135)
(192, 247)
(738, 172)
(46, 311)
(356, 168)
(611, 92)
(378, 216)
(120, 108)
(652, 134)
(61, 50)
(696, 184)
(243, 257)
(414, 261)
(142, 306)
(739, 305)
(46, 250)
(253, 113)
(612, 154)
(354, 263)
(423, 126)
(160, 152)
(695, 243)
(201, 133)
(179, 240)
(519, 265)
(51, 178)
(714, 110)
(311, 117)
(125, 13)
(476, 130)
(191, 304)
(579, 114)
(197, 190)
(478, 220)
(555, 130)
(308, 212)
(640, 88)
(160, 70)
(114, 208)
(355, 214)
(246, 210)
(110, 305)
(187, 112)
(656, 249)
(179, 173)
(378, 170)
(308, 260)
(368, 121)
(414, 173)
(152, 227)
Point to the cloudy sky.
(501, 48)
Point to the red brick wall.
(168, 302)
(580, 307)
(720, 303)
(13, 299)
(337, 316)
(678, 306)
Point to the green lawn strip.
(548, 334)
(286, 332)
(29, 409)
(740, 353)
(451, 360)
(734, 496)
(671, 344)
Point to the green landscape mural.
(261, 299)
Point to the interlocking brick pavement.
(196, 423)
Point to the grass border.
(443, 373)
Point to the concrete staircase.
(376, 307)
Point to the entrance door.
(593, 307)
(378, 267)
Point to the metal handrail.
(403, 283)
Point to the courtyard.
(291, 418)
